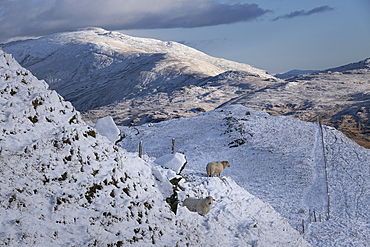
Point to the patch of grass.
(124, 179)
(236, 143)
(68, 158)
(67, 141)
(90, 133)
(147, 205)
(96, 156)
(73, 119)
(127, 191)
(91, 192)
(114, 182)
(45, 180)
(33, 119)
(36, 103)
(12, 198)
(63, 177)
(94, 172)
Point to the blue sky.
(275, 35)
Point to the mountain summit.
(93, 67)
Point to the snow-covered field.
(281, 161)
(64, 184)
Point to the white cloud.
(304, 13)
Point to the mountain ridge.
(102, 67)
(294, 72)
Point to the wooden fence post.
(326, 169)
(173, 146)
(141, 149)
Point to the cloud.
(304, 13)
(204, 42)
(39, 17)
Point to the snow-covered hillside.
(280, 160)
(340, 96)
(93, 67)
(64, 184)
(294, 72)
(187, 101)
(353, 68)
(137, 81)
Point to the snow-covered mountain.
(93, 67)
(305, 172)
(294, 72)
(353, 68)
(139, 81)
(64, 184)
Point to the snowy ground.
(278, 159)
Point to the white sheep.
(200, 205)
(215, 168)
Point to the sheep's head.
(225, 163)
(209, 200)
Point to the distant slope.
(357, 67)
(93, 67)
(339, 95)
(63, 184)
(184, 102)
(293, 72)
(280, 160)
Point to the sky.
(274, 35)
